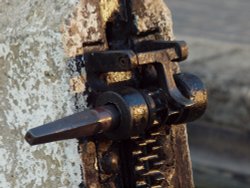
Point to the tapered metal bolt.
(82, 124)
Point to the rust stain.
(107, 8)
(77, 84)
(114, 77)
(86, 25)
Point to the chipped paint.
(107, 8)
(34, 89)
(86, 25)
(82, 26)
(114, 77)
(77, 84)
(153, 14)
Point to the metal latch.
(153, 95)
(136, 93)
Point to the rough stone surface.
(34, 89)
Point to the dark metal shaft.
(82, 124)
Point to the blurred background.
(218, 35)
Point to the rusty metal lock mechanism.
(154, 93)
(136, 93)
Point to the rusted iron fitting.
(128, 108)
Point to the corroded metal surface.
(153, 22)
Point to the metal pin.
(82, 124)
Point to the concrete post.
(34, 89)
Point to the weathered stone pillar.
(34, 89)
